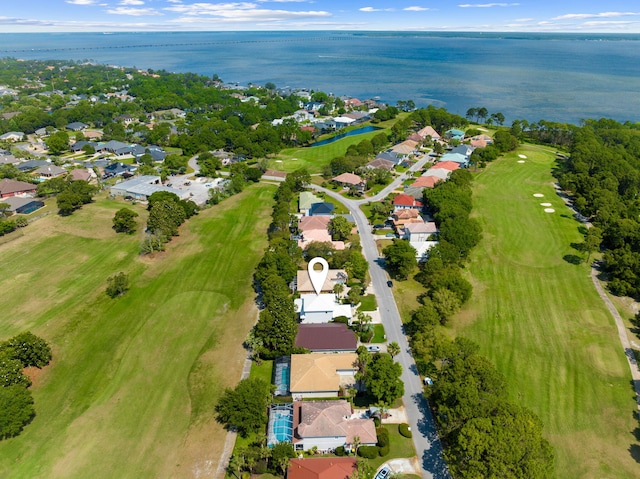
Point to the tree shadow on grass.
(572, 259)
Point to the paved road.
(422, 424)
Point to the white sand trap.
(545, 204)
(520, 161)
(538, 195)
(522, 156)
(549, 210)
(278, 161)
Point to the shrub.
(376, 422)
(117, 285)
(341, 319)
(384, 450)
(383, 437)
(368, 452)
(340, 451)
(404, 430)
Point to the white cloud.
(580, 16)
(610, 22)
(371, 9)
(134, 12)
(237, 12)
(524, 20)
(416, 9)
(131, 2)
(487, 5)
(174, 1)
(81, 2)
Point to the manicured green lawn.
(263, 371)
(133, 383)
(368, 303)
(379, 335)
(400, 446)
(540, 320)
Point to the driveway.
(425, 437)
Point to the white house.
(320, 308)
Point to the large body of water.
(555, 77)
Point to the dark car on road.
(390, 283)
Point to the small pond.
(357, 131)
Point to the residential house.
(424, 182)
(454, 134)
(274, 175)
(320, 308)
(415, 137)
(22, 204)
(441, 173)
(463, 149)
(12, 136)
(349, 180)
(406, 202)
(112, 146)
(81, 174)
(326, 338)
(9, 115)
(406, 148)
(389, 155)
(41, 132)
(77, 126)
(357, 116)
(9, 187)
(118, 169)
(404, 217)
(343, 121)
(92, 135)
(429, 132)
(448, 165)
(31, 165)
(381, 163)
(459, 158)
(318, 375)
(419, 236)
(49, 171)
(305, 201)
(8, 159)
(322, 468)
(329, 424)
(334, 276)
(321, 209)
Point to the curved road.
(422, 424)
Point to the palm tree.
(338, 288)
(393, 349)
(356, 444)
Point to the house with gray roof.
(142, 187)
(76, 126)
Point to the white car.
(383, 473)
(373, 349)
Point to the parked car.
(372, 348)
(390, 283)
(383, 473)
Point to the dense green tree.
(244, 407)
(16, 410)
(27, 348)
(340, 228)
(124, 221)
(165, 217)
(400, 258)
(382, 378)
(320, 249)
(11, 372)
(117, 285)
(281, 453)
(57, 142)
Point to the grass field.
(540, 320)
(133, 382)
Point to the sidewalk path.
(622, 334)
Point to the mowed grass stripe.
(134, 380)
(540, 320)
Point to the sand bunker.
(520, 161)
(522, 156)
(538, 195)
(545, 204)
(278, 161)
(549, 210)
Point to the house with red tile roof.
(328, 424)
(448, 165)
(426, 182)
(349, 179)
(406, 202)
(322, 468)
(10, 187)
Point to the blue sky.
(617, 16)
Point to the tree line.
(16, 403)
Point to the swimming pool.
(280, 427)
